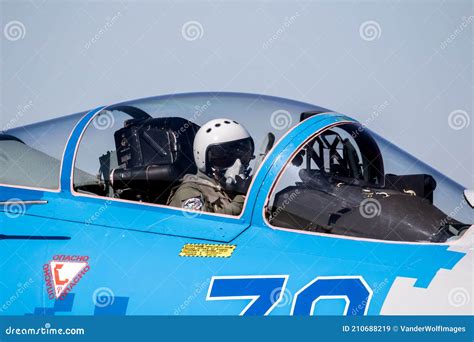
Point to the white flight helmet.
(219, 143)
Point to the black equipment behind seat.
(153, 154)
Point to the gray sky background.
(402, 67)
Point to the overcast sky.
(404, 68)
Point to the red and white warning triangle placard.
(63, 274)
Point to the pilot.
(222, 151)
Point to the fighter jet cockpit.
(365, 187)
(144, 158)
(343, 180)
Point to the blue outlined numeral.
(265, 292)
(353, 289)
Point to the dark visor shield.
(224, 155)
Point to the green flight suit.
(200, 192)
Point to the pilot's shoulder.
(191, 186)
(190, 178)
(196, 181)
(188, 189)
(184, 192)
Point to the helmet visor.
(224, 155)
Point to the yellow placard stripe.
(207, 250)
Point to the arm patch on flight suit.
(194, 203)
